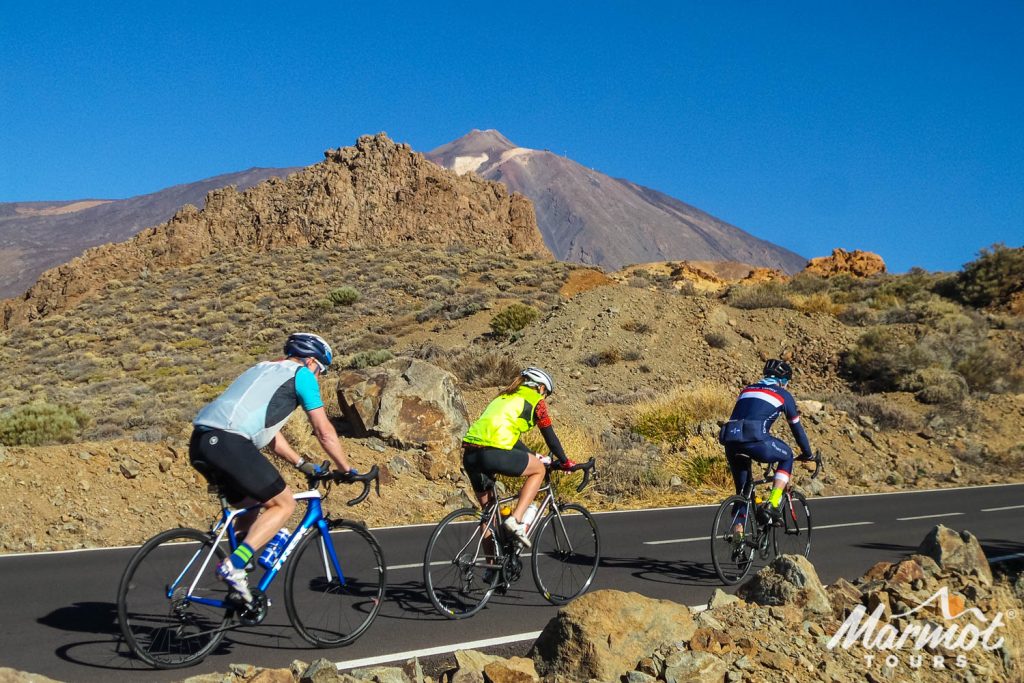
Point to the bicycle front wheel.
(566, 552)
(333, 596)
(794, 536)
(733, 540)
(455, 566)
(159, 617)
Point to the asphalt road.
(58, 612)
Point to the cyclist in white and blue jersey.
(746, 434)
(230, 431)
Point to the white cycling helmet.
(536, 376)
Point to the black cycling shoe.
(768, 515)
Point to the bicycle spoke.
(566, 552)
(459, 576)
(734, 540)
(794, 536)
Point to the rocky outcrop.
(788, 580)
(410, 404)
(857, 263)
(603, 634)
(375, 193)
(957, 551)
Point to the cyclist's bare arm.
(328, 438)
(283, 449)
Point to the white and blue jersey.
(261, 400)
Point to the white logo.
(214, 440)
(918, 635)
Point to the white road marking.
(837, 526)
(944, 514)
(678, 540)
(439, 650)
(1008, 507)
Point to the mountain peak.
(474, 151)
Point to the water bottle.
(272, 551)
(530, 514)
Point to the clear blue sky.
(896, 127)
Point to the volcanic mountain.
(589, 217)
(35, 236)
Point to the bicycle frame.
(225, 530)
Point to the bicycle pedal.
(502, 589)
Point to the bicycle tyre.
(323, 611)
(172, 632)
(794, 537)
(457, 586)
(567, 553)
(732, 560)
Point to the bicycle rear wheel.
(328, 604)
(566, 552)
(732, 553)
(162, 624)
(454, 566)
(794, 536)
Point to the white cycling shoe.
(235, 579)
(519, 529)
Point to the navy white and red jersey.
(756, 410)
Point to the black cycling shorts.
(481, 463)
(236, 465)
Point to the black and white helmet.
(309, 345)
(779, 369)
(538, 377)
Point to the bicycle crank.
(255, 613)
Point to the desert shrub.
(819, 302)
(636, 326)
(609, 356)
(986, 368)
(993, 278)
(370, 341)
(704, 464)
(602, 397)
(675, 417)
(490, 369)
(38, 423)
(513, 319)
(857, 314)
(883, 359)
(631, 355)
(884, 413)
(368, 359)
(938, 386)
(630, 464)
(807, 284)
(764, 295)
(716, 340)
(344, 296)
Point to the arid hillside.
(902, 384)
(376, 192)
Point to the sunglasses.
(320, 366)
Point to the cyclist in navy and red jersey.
(746, 434)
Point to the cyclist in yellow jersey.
(493, 445)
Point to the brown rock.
(410, 404)
(14, 676)
(605, 633)
(857, 263)
(788, 580)
(906, 571)
(844, 596)
(957, 551)
(513, 670)
(694, 667)
(708, 640)
(272, 676)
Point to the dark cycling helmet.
(778, 368)
(537, 376)
(308, 345)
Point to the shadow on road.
(684, 572)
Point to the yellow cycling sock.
(775, 498)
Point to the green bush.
(368, 359)
(513, 319)
(993, 278)
(34, 424)
(344, 296)
(883, 360)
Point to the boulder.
(788, 580)
(857, 263)
(272, 676)
(956, 551)
(411, 404)
(14, 676)
(512, 670)
(603, 635)
(470, 665)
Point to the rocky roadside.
(783, 625)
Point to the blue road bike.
(173, 611)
